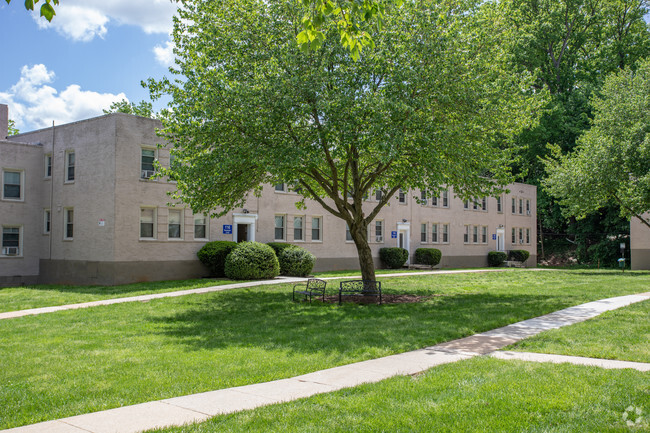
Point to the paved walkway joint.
(199, 407)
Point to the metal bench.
(314, 287)
(359, 287)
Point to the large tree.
(430, 107)
(611, 163)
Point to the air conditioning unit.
(146, 174)
(379, 239)
(521, 241)
(527, 212)
(10, 251)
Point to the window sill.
(12, 257)
(13, 200)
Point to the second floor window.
(147, 159)
(12, 188)
(69, 166)
(175, 224)
(48, 165)
(69, 223)
(445, 198)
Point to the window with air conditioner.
(379, 231)
(147, 161)
(11, 241)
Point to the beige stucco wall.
(640, 244)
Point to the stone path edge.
(280, 280)
(199, 407)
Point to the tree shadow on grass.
(269, 320)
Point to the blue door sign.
(494, 237)
(393, 235)
(227, 229)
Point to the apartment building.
(79, 205)
(639, 244)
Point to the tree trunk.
(366, 263)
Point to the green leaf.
(47, 11)
(29, 5)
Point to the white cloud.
(165, 54)
(34, 104)
(83, 20)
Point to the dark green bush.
(496, 258)
(213, 256)
(519, 255)
(252, 261)
(428, 256)
(393, 258)
(279, 246)
(296, 261)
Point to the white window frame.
(484, 204)
(47, 221)
(180, 224)
(434, 200)
(301, 228)
(154, 223)
(401, 196)
(148, 173)
(445, 233)
(434, 233)
(48, 166)
(318, 229)
(283, 227)
(424, 233)
(67, 223)
(378, 194)
(527, 241)
(205, 225)
(514, 236)
(423, 198)
(466, 234)
(528, 212)
(21, 185)
(68, 166)
(283, 187)
(475, 237)
(445, 198)
(379, 238)
(499, 205)
(484, 234)
(521, 206)
(8, 251)
(514, 205)
(348, 234)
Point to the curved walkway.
(279, 280)
(199, 407)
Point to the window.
(434, 233)
(466, 235)
(445, 198)
(521, 206)
(316, 224)
(527, 207)
(48, 165)
(528, 236)
(466, 204)
(445, 233)
(379, 231)
(69, 165)
(280, 187)
(174, 224)
(68, 223)
(348, 235)
(401, 196)
(147, 159)
(514, 235)
(12, 185)
(200, 227)
(279, 227)
(11, 241)
(434, 200)
(484, 235)
(475, 234)
(499, 205)
(148, 223)
(47, 221)
(378, 194)
(423, 197)
(423, 233)
(514, 205)
(297, 228)
(521, 236)
(484, 203)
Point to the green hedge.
(296, 261)
(213, 256)
(394, 257)
(496, 258)
(519, 255)
(428, 256)
(279, 246)
(252, 261)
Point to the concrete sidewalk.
(199, 407)
(278, 280)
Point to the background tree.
(12, 128)
(430, 107)
(142, 108)
(611, 163)
(47, 8)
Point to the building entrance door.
(242, 232)
(501, 239)
(403, 238)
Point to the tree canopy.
(47, 8)
(142, 108)
(612, 160)
(430, 107)
(12, 128)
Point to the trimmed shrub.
(213, 256)
(393, 258)
(428, 256)
(296, 261)
(252, 261)
(279, 246)
(519, 255)
(496, 258)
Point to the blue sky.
(93, 53)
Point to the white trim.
(249, 220)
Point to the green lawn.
(477, 395)
(74, 362)
(22, 298)
(622, 334)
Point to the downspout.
(51, 193)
